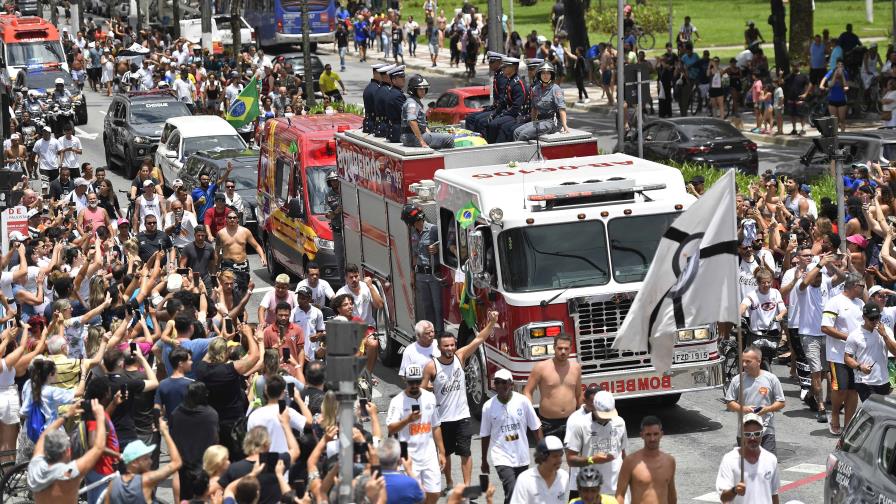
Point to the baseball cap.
(753, 417)
(698, 179)
(503, 374)
(605, 405)
(874, 290)
(148, 183)
(413, 372)
(282, 278)
(858, 239)
(47, 129)
(124, 222)
(871, 310)
(591, 390)
(304, 290)
(549, 444)
(80, 181)
(177, 183)
(135, 450)
(219, 196)
(14, 136)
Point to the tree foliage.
(651, 18)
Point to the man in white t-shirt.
(842, 315)
(598, 440)
(269, 414)
(789, 282)
(179, 225)
(46, 153)
(546, 482)
(414, 417)
(812, 295)
(420, 352)
(866, 353)
(71, 150)
(887, 313)
(366, 297)
(765, 306)
(760, 480)
(506, 418)
(311, 320)
(321, 292)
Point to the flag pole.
(740, 396)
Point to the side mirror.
(170, 154)
(476, 243)
(295, 209)
(431, 104)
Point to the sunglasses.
(499, 381)
(231, 217)
(753, 435)
(231, 187)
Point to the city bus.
(280, 21)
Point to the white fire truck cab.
(561, 245)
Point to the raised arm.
(244, 365)
(153, 478)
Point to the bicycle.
(643, 39)
(14, 482)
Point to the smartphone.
(146, 305)
(404, 449)
(415, 408)
(483, 481)
(196, 277)
(291, 390)
(123, 388)
(286, 354)
(269, 460)
(757, 409)
(375, 471)
(87, 410)
(282, 405)
(214, 280)
(183, 271)
(133, 348)
(793, 238)
(362, 403)
(228, 324)
(471, 492)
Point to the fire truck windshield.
(554, 256)
(633, 242)
(317, 188)
(34, 53)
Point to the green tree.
(801, 29)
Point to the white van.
(191, 30)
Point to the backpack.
(36, 423)
(78, 440)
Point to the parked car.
(43, 79)
(133, 125)
(297, 60)
(184, 136)
(454, 105)
(879, 145)
(702, 140)
(244, 174)
(862, 466)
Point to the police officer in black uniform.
(477, 120)
(515, 95)
(369, 91)
(506, 133)
(334, 213)
(531, 65)
(396, 102)
(380, 100)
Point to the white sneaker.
(587, 100)
(580, 102)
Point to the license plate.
(693, 356)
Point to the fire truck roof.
(27, 29)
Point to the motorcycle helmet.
(589, 477)
(417, 81)
(546, 67)
(411, 214)
(59, 81)
(32, 93)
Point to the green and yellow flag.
(467, 215)
(244, 109)
(466, 303)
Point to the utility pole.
(236, 28)
(495, 34)
(620, 78)
(306, 56)
(175, 11)
(343, 368)
(206, 11)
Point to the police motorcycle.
(61, 109)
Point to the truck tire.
(81, 115)
(477, 383)
(274, 268)
(110, 159)
(389, 348)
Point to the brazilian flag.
(467, 215)
(466, 303)
(244, 109)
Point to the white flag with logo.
(692, 280)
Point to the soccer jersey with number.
(418, 435)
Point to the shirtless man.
(230, 244)
(649, 472)
(559, 383)
(16, 155)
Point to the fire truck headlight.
(496, 215)
(538, 350)
(701, 334)
(322, 243)
(685, 335)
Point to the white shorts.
(429, 476)
(9, 405)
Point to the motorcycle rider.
(765, 306)
(60, 92)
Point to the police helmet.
(32, 93)
(332, 175)
(589, 477)
(415, 82)
(59, 81)
(411, 214)
(546, 67)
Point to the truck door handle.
(868, 489)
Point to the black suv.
(133, 126)
(862, 467)
(244, 174)
(44, 80)
(878, 145)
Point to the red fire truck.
(562, 244)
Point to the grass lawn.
(720, 22)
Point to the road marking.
(808, 468)
(83, 134)
(714, 496)
(103, 112)
(262, 290)
(799, 483)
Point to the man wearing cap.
(46, 154)
(760, 479)
(148, 203)
(546, 482)
(61, 187)
(78, 197)
(414, 417)
(477, 120)
(515, 95)
(414, 132)
(139, 479)
(310, 319)
(395, 104)
(506, 418)
(381, 101)
(532, 65)
(866, 353)
(368, 97)
(598, 441)
(696, 186)
(272, 298)
(842, 315)
(762, 394)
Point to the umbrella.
(135, 53)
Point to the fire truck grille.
(596, 326)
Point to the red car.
(454, 105)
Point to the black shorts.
(553, 427)
(842, 377)
(716, 92)
(865, 391)
(837, 103)
(456, 436)
(794, 108)
(361, 43)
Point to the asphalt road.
(698, 430)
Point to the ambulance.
(297, 153)
(560, 240)
(29, 42)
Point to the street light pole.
(306, 56)
(620, 78)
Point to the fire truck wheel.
(274, 268)
(389, 355)
(476, 393)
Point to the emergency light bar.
(592, 189)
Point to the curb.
(783, 140)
